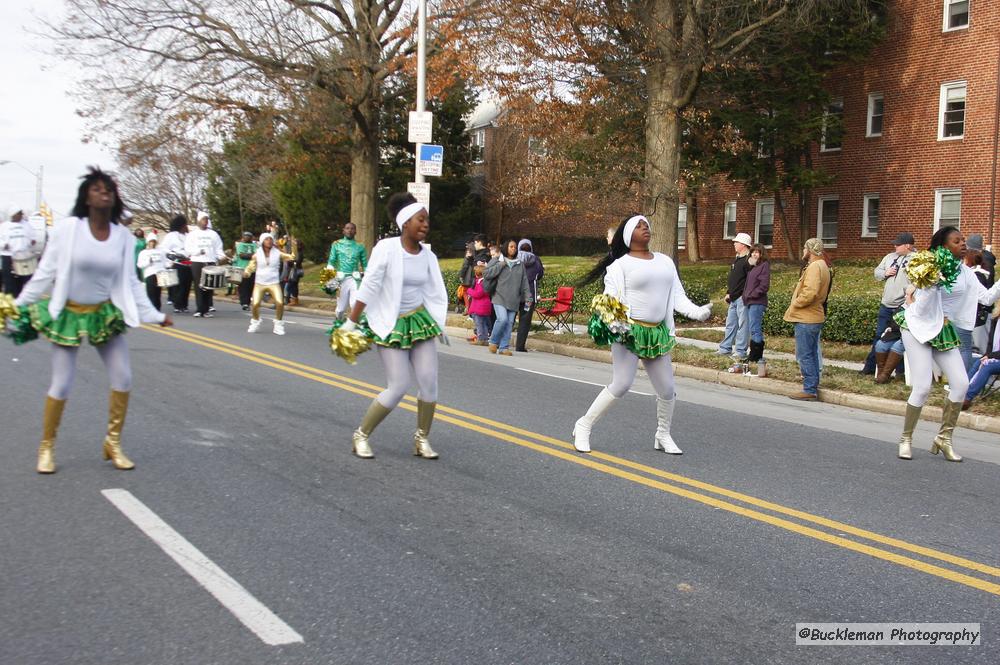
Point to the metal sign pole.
(421, 78)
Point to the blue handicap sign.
(431, 159)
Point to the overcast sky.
(38, 123)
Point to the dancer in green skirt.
(642, 290)
(404, 298)
(88, 266)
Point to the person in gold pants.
(266, 263)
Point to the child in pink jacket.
(480, 307)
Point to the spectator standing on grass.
(511, 291)
(535, 271)
(735, 340)
(475, 253)
(807, 313)
(892, 271)
(755, 298)
(987, 276)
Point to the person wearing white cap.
(266, 265)
(404, 297)
(204, 247)
(647, 284)
(737, 333)
(17, 238)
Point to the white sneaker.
(279, 327)
(254, 324)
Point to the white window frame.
(938, 194)
(725, 220)
(872, 98)
(819, 219)
(756, 223)
(942, 105)
(682, 240)
(865, 231)
(944, 17)
(479, 141)
(826, 113)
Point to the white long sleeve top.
(382, 287)
(204, 246)
(151, 261)
(174, 242)
(17, 237)
(651, 290)
(966, 295)
(56, 273)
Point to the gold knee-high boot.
(425, 417)
(376, 413)
(942, 442)
(118, 407)
(50, 427)
(909, 424)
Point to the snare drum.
(24, 265)
(234, 274)
(166, 279)
(213, 277)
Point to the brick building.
(921, 120)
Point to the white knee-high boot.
(664, 414)
(581, 430)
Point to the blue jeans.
(884, 314)
(807, 353)
(966, 337)
(502, 327)
(482, 326)
(736, 329)
(882, 346)
(981, 377)
(755, 315)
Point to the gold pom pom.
(8, 310)
(609, 309)
(349, 344)
(922, 270)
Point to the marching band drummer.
(204, 247)
(173, 248)
(16, 238)
(151, 262)
(89, 268)
(266, 264)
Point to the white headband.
(265, 235)
(404, 215)
(630, 227)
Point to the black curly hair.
(94, 175)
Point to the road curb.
(976, 421)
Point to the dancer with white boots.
(642, 290)
(266, 263)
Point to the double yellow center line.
(705, 493)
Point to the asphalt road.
(511, 548)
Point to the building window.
(956, 14)
(947, 208)
(729, 221)
(876, 109)
(478, 140)
(682, 226)
(870, 215)
(765, 222)
(827, 220)
(833, 127)
(951, 116)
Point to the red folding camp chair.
(557, 312)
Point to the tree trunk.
(364, 178)
(663, 156)
(692, 227)
(779, 208)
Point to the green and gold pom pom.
(350, 344)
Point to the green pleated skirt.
(945, 340)
(650, 341)
(76, 323)
(410, 328)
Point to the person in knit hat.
(808, 314)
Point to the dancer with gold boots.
(266, 264)
(941, 290)
(404, 298)
(635, 315)
(89, 268)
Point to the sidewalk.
(974, 421)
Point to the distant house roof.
(484, 114)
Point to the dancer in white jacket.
(89, 267)
(404, 296)
(648, 286)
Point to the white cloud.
(38, 122)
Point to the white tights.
(920, 357)
(114, 353)
(624, 364)
(397, 362)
